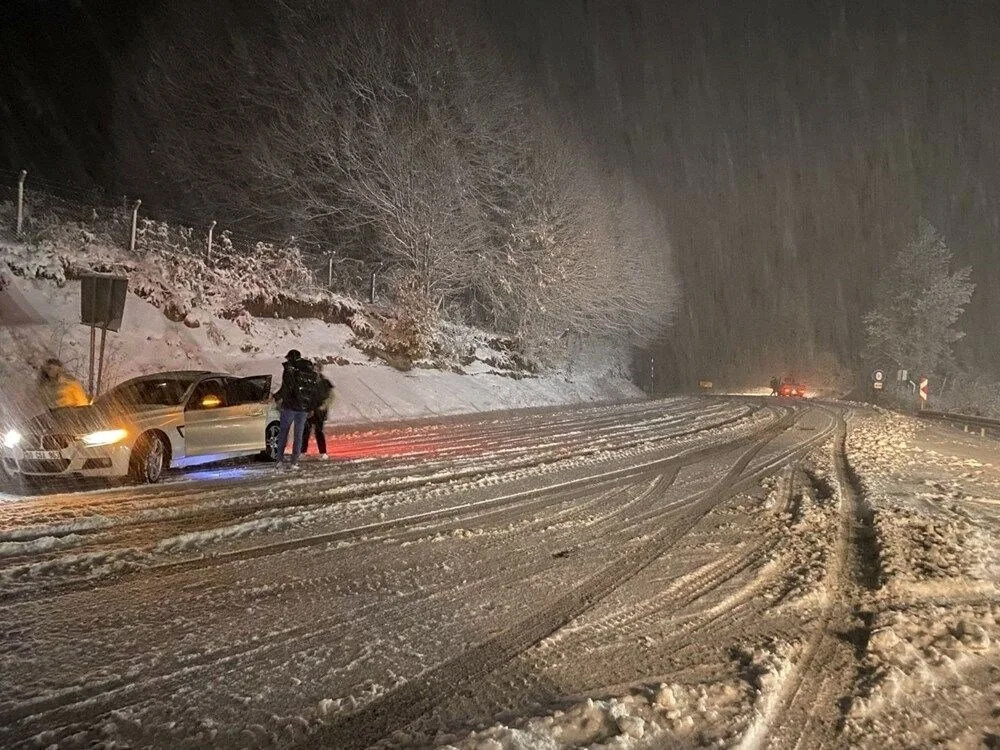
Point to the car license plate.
(41, 455)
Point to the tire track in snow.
(174, 521)
(606, 640)
(735, 610)
(678, 594)
(812, 700)
(508, 443)
(628, 473)
(580, 476)
(83, 706)
(191, 670)
(412, 700)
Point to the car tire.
(270, 452)
(149, 459)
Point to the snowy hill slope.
(367, 389)
(229, 310)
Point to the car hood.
(79, 420)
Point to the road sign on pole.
(923, 391)
(102, 304)
(878, 380)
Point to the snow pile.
(720, 714)
(916, 548)
(928, 675)
(655, 717)
(767, 669)
(41, 544)
(924, 537)
(879, 446)
(913, 654)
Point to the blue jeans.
(287, 420)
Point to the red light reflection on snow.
(375, 446)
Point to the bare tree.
(403, 138)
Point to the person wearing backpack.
(298, 395)
(316, 422)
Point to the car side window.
(247, 390)
(208, 394)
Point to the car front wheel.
(270, 452)
(149, 459)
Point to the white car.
(144, 426)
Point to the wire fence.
(30, 205)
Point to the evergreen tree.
(919, 303)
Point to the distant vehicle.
(791, 389)
(144, 426)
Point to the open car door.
(210, 422)
(250, 397)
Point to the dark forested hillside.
(793, 146)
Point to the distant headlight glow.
(104, 437)
(12, 438)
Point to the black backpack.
(308, 387)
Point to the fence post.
(211, 228)
(135, 221)
(329, 272)
(20, 200)
(371, 292)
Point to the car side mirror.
(210, 402)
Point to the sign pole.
(90, 379)
(208, 249)
(135, 224)
(100, 361)
(20, 201)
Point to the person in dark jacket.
(775, 385)
(317, 417)
(293, 412)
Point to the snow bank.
(925, 539)
(367, 389)
(660, 716)
(928, 673)
(229, 310)
(922, 665)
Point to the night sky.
(791, 145)
(60, 68)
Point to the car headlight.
(103, 437)
(11, 438)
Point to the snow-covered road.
(689, 572)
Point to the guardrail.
(966, 420)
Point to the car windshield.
(150, 392)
